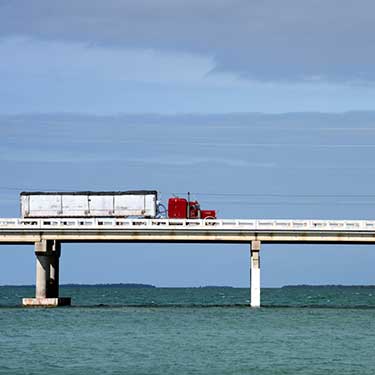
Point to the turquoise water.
(307, 330)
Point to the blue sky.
(245, 166)
(177, 56)
(213, 97)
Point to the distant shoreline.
(110, 285)
(150, 286)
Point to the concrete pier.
(47, 276)
(255, 274)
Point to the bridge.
(48, 234)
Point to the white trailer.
(135, 203)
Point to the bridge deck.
(176, 230)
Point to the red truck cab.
(181, 208)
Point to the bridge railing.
(159, 224)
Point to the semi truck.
(106, 204)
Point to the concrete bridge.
(48, 234)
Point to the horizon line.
(151, 286)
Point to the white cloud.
(39, 75)
(78, 60)
(290, 40)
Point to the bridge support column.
(255, 274)
(47, 276)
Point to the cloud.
(78, 61)
(290, 40)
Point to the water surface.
(114, 330)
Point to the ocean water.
(116, 330)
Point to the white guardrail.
(160, 224)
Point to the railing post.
(255, 274)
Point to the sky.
(260, 109)
(174, 56)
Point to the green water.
(190, 331)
